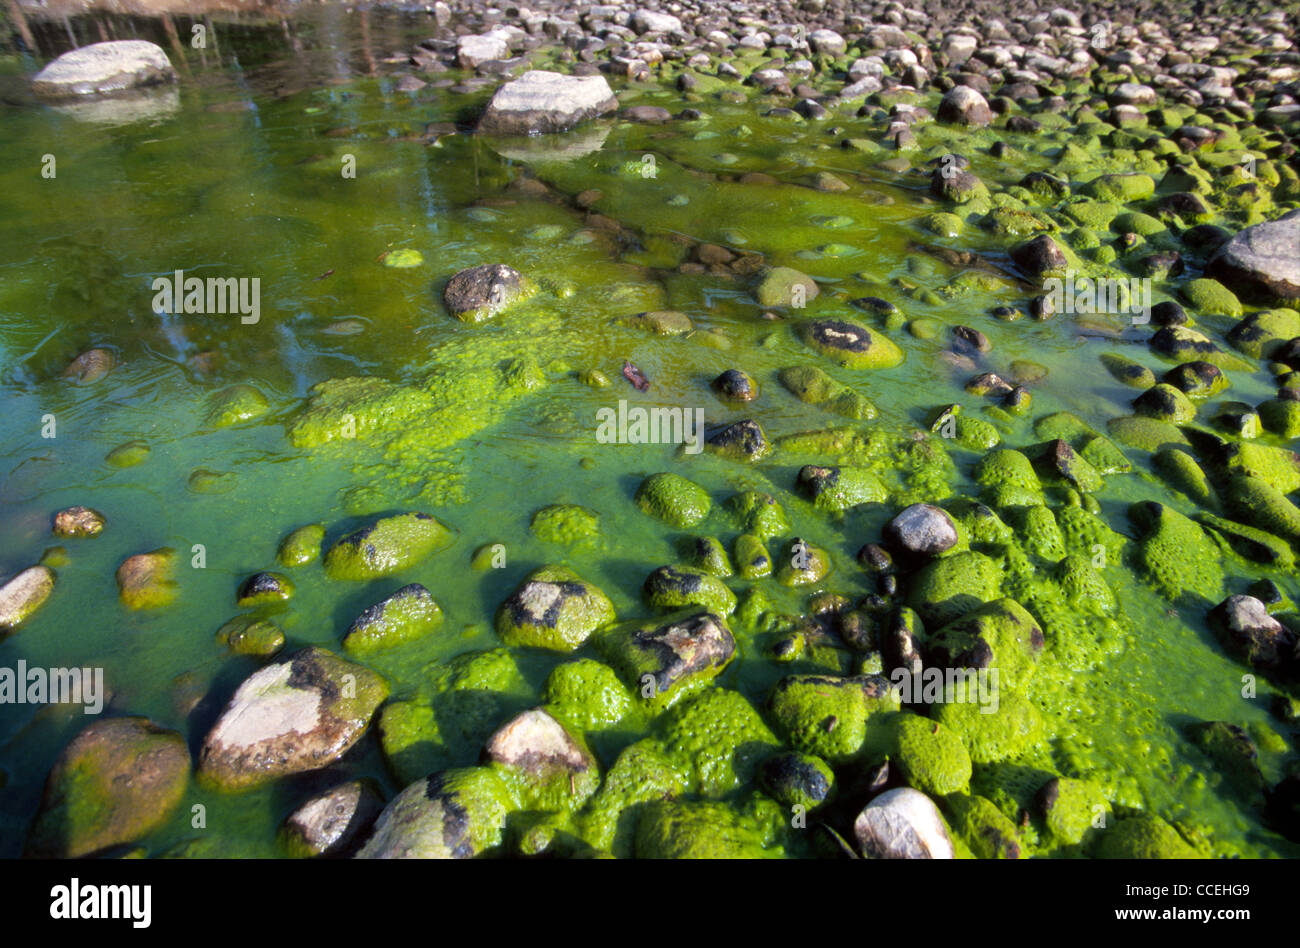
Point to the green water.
(244, 179)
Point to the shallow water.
(242, 178)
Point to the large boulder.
(1262, 263)
(104, 68)
(117, 781)
(541, 102)
(290, 717)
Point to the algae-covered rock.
(983, 827)
(251, 635)
(453, 814)
(553, 609)
(953, 585)
(1256, 502)
(1249, 542)
(1209, 296)
(333, 822)
(929, 757)
(301, 546)
(1145, 836)
(78, 522)
(783, 286)
(902, 824)
(1001, 636)
(564, 524)
(116, 782)
(482, 292)
(742, 441)
(1277, 467)
(587, 694)
(802, 780)
(722, 739)
(23, 594)
(1232, 751)
(708, 555)
(758, 513)
(1181, 472)
(1146, 434)
(1261, 334)
(673, 499)
(236, 404)
(680, 830)
(1004, 726)
(675, 587)
(386, 546)
(144, 581)
(1174, 554)
(666, 660)
(458, 705)
(851, 344)
(549, 767)
(750, 554)
(810, 384)
(1008, 478)
(263, 589)
(1071, 809)
(836, 489)
(802, 564)
(296, 715)
(1165, 403)
(834, 718)
(405, 616)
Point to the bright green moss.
(835, 718)
(983, 827)
(1208, 296)
(675, 587)
(1001, 635)
(1146, 434)
(673, 499)
(1260, 505)
(565, 524)
(1277, 467)
(407, 615)
(929, 756)
(954, 585)
(1146, 836)
(760, 514)
(1037, 530)
(236, 404)
(995, 730)
(851, 344)
(1181, 472)
(553, 608)
(1174, 553)
(680, 830)
(751, 557)
(302, 546)
(722, 739)
(1072, 809)
(386, 546)
(587, 694)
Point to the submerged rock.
(332, 822)
(144, 581)
(91, 366)
(542, 102)
(23, 595)
(262, 588)
(902, 824)
(102, 68)
(116, 782)
(78, 522)
(251, 635)
(673, 499)
(293, 716)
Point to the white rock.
(541, 102)
(647, 21)
(24, 594)
(902, 824)
(104, 67)
(473, 50)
